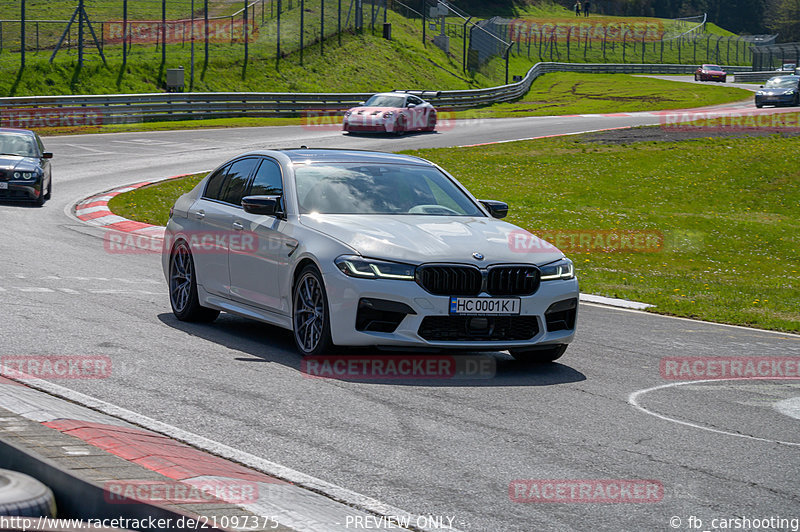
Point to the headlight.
(355, 266)
(28, 175)
(759, 93)
(388, 114)
(347, 113)
(789, 93)
(562, 269)
(17, 175)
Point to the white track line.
(633, 399)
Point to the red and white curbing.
(94, 211)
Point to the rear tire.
(539, 355)
(183, 288)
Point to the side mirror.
(47, 155)
(361, 104)
(269, 205)
(497, 209)
(761, 86)
(411, 105)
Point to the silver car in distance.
(359, 248)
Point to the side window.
(414, 100)
(215, 183)
(238, 176)
(268, 180)
(39, 144)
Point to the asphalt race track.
(442, 447)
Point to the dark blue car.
(24, 167)
(780, 90)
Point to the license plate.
(3, 186)
(485, 306)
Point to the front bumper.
(344, 294)
(368, 124)
(781, 99)
(21, 191)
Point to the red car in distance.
(710, 73)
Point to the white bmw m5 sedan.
(359, 248)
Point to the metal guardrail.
(39, 111)
(755, 77)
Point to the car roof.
(15, 130)
(330, 155)
(790, 76)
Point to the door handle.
(237, 226)
(200, 214)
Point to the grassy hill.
(362, 62)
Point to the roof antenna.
(303, 147)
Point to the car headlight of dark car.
(26, 176)
(560, 270)
(363, 268)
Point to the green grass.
(567, 93)
(151, 204)
(729, 210)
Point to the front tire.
(311, 322)
(183, 288)
(431, 127)
(400, 127)
(539, 355)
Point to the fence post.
(244, 32)
(163, 32)
(708, 48)
(302, 27)
(322, 27)
(569, 34)
(80, 33)
(424, 23)
(624, 42)
(205, 31)
(644, 47)
(191, 50)
(22, 35)
(465, 44)
(278, 45)
(339, 23)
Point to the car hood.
(16, 162)
(421, 239)
(714, 72)
(372, 110)
(776, 91)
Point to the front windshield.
(370, 188)
(17, 144)
(384, 100)
(781, 83)
(712, 67)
